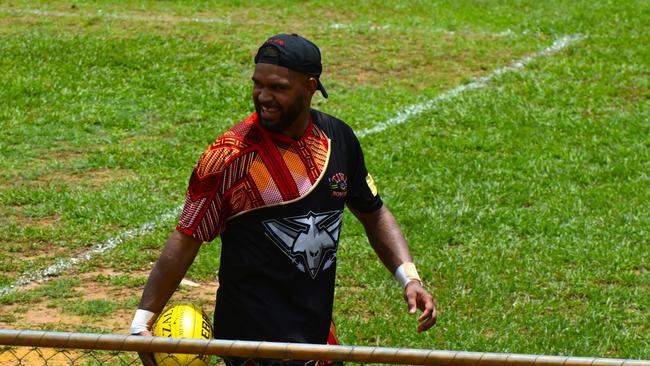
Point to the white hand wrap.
(406, 273)
(143, 320)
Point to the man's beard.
(286, 119)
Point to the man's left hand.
(418, 298)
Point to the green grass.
(525, 202)
(123, 280)
(94, 308)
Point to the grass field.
(525, 200)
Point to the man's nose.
(264, 95)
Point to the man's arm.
(167, 273)
(389, 243)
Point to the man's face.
(279, 96)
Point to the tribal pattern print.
(249, 168)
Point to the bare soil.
(52, 314)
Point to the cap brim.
(322, 89)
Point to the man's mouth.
(270, 113)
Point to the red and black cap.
(293, 52)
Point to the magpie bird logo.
(309, 241)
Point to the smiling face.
(282, 98)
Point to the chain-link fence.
(13, 356)
(59, 357)
(24, 347)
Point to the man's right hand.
(167, 273)
(147, 357)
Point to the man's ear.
(312, 85)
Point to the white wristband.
(143, 321)
(406, 273)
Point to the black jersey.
(278, 205)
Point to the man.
(274, 187)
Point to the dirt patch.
(33, 250)
(98, 287)
(93, 179)
(280, 17)
(32, 221)
(66, 155)
(41, 316)
(37, 356)
(49, 156)
(635, 94)
(14, 22)
(413, 60)
(489, 333)
(148, 139)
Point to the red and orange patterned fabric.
(247, 168)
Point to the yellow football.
(183, 321)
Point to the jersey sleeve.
(204, 211)
(363, 195)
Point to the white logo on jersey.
(309, 241)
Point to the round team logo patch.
(339, 185)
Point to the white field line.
(63, 264)
(101, 14)
(415, 109)
(389, 27)
(402, 117)
(226, 20)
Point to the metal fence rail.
(248, 349)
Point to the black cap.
(293, 52)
